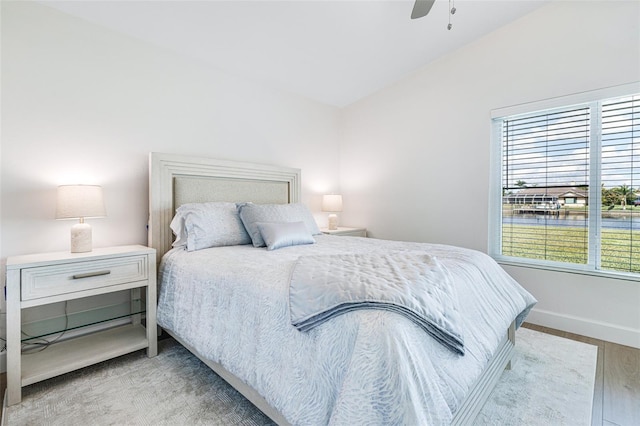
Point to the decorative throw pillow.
(284, 234)
(251, 214)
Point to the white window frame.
(595, 193)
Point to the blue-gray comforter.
(362, 367)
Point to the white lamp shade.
(80, 201)
(332, 203)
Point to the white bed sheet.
(364, 367)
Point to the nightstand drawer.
(52, 280)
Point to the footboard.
(483, 387)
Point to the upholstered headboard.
(175, 180)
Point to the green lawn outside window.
(620, 249)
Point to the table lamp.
(80, 202)
(333, 204)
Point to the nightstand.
(345, 231)
(43, 279)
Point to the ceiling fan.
(422, 7)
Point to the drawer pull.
(91, 274)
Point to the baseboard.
(598, 330)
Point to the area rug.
(551, 383)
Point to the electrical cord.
(40, 343)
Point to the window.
(565, 182)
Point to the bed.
(229, 306)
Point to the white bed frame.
(175, 180)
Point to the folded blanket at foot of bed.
(413, 284)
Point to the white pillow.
(284, 234)
(177, 226)
(204, 225)
(251, 214)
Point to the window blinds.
(565, 183)
(545, 185)
(620, 174)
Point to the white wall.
(82, 104)
(415, 156)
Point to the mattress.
(363, 367)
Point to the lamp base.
(81, 238)
(333, 222)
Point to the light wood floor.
(616, 398)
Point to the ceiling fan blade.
(421, 8)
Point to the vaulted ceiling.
(332, 51)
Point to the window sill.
(565, 268)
